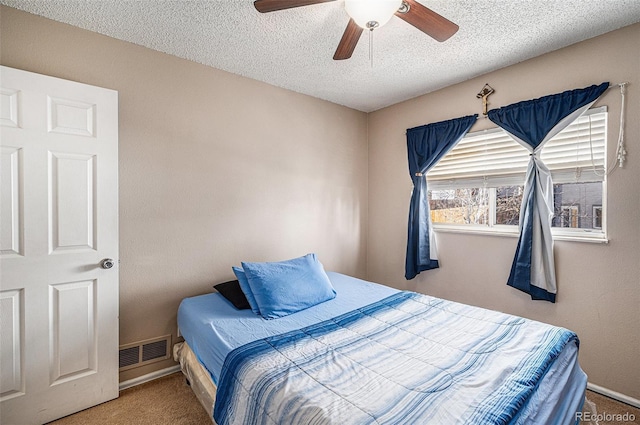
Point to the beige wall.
(598, 284)
(214, 169)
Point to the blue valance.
(426, 145)
(532, 123)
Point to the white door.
(58, 221)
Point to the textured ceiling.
(294, 48)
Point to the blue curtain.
(426, 145)
(532, 123)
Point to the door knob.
(107, 263)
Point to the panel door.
(58, 221)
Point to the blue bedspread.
(407, 359)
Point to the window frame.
(595, 235)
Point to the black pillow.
(231, 290)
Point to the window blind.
(492, 155)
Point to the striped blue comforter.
(407, 359)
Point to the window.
(478, 186)
(597, 216)
(574, 205)
(568, 216)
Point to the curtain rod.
(621, 85)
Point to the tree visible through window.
(508, 201)
(460, 206)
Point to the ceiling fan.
(371, 14)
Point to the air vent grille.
(129, 356)
(154, 350)
(144, 352)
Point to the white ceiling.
(293, 48)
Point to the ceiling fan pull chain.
(371, 46)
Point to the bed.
(373, 354)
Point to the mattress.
(197, 376)
(212, 329)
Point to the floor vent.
(144, 352)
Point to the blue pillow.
(282, 288)
(244, 285)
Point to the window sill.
(512, 232)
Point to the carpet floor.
(164, 401)
(170, 401)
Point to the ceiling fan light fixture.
(370, 14)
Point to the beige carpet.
(169, 401)
(164, 401)
(607, 409)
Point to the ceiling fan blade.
(427, 21)
(348, 41)
(264, 6)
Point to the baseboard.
(614, 395)
(149, 377)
